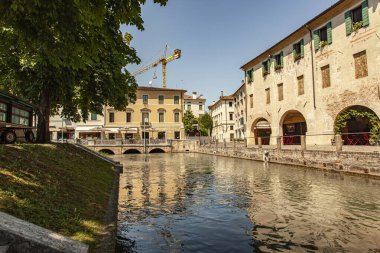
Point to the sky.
(216, 37)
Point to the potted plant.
(278, 67)
(297, 57)
(323, 43)
(357, 26)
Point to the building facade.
(156, 114)
(195, 103)
(316, 76)
(222, 114)
(240, 106)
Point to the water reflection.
(199, 203)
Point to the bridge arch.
(132, 151)
(107, 151)
(157, 150)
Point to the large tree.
(190, 122)
(68, 55)
(205, 124)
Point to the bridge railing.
(118, 142)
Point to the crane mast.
(163, 60)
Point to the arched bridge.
(129, 149)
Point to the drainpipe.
(312, 63)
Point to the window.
(249, 76)
(231, 128)
(323, 36)
(176, 117)
(3, 112)
(112, 117)
(231, 137)
(177, 135)
(20, 116)
(145, 99)
(230, 104)
(176, 100)
(161, 116)
(128, 117)
(93, 116)
(280, 89)
(161, 99)
(251, 101)
(161, 135)
(189, 107)
(111, 136)
(145, 117)
(361, 69)
(267, 93)
(231, 116)
(279, 61)
(325, 76)
(301, 88)
(200, 107)
(357, 18)
(298, 50)
(266, 67)
(241, 121)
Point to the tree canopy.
(189, 120)
(69, 55)
(205, 124)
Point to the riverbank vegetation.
(56, 186)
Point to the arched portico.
(132, 151)
(107, 151)
(157, 150)
(358, 125)
(292, 126)
(261, 128)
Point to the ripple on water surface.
(200, 203)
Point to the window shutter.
(348, 19)
(317, 40)
(294, 52)
(252, 74)
(302, 48)
(263, 68)
(329, 33)
(365, 13)
(268, 64)
(282, 58)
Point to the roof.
(241, 86)
(304, 28)
(191, 97)
(159, 89)
(230, 97)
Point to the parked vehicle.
(16, 119)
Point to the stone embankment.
(350, 162)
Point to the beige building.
(222, 114)
(304, 83)
(157, 114)
(240, 106)
(195, 103)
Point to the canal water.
(201, 203)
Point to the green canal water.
(200, 203)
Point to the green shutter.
(302, 49)
(268, 64)
(263, 68)
(294, 52)
(329, 33)
(317, 40)
(365, 13)
(252, 72)
(348, 19)
(282, 58)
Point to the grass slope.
(56, 186)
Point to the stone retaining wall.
(366, 163)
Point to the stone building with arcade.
(322, 79)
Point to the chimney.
(221, 94)
(194, 94)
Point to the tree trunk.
(43, 135)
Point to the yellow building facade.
(156, 114)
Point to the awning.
(262, 125)
(129, 130)
(86, 129)
(53, 129)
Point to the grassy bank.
(56, 186)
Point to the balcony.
(146, 124)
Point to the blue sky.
(216, 38)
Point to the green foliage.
(344, 117)
(69, 55)
(189, 120)
(357, 26)
(205, 123)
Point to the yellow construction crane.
(163, 60)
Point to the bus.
(16, 119)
